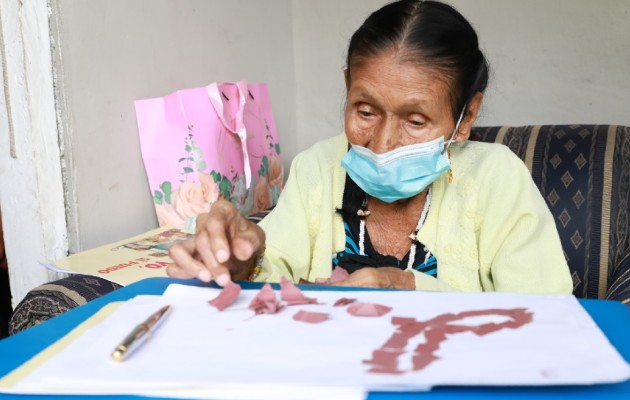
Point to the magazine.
(127, 261)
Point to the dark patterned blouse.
(350, 258)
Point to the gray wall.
(113, 52)
(561, 61)
(553, 62)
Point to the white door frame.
(31, 178)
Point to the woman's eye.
(364, 113)
(415, 123)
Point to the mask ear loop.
(448, 144)
(459, 121)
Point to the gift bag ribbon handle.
(239, 125)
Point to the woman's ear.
(472, 111)
(346, 77)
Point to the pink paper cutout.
(338, 274)
(344, 301)
(226, 297)
(292, 295)
(310, 317)
(368, 310)
(265, 301)
(385, 359)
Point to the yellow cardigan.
(489, 229)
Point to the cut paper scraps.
(368, 310)
(310, 316)
(265, 301)
(344, 301)
(290, 294)
(226, 297)
(385, 360)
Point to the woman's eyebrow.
(417, 105)
(364, 95)
(413, 104)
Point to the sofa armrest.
(54, 298)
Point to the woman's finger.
(248, 243)
(175, 271)
(217, 271)
(202, 243)
(182, 254)
(216, 227)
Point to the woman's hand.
(384, 277)
(224, 247)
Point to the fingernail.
(222, 256)
(223, 279)
(204, 275)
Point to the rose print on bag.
(167, 216)
(209, 188)
(262, 195)
(190, 198)
(189, 201)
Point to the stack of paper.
(427, 339)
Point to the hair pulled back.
(429, 33)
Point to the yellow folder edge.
(15, 376)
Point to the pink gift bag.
(202, 144)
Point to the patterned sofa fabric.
(583, 173)
(54, 298)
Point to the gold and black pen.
(140, 334)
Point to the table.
(613, 318)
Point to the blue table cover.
(613, 318)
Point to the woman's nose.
(387, 136)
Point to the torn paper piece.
(310, 317)
(292, 295)
(368, 310)
(344, 301)
(265, 301)
(338, 274)
(226, 297)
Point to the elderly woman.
(403, 199)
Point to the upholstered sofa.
(582, 171)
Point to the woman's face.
(393, 103)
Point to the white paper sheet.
(201, 352)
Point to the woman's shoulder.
(325, 152)
(485, 156)
(489, 165)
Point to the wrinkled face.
(393, 103)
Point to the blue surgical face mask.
(401, 173)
